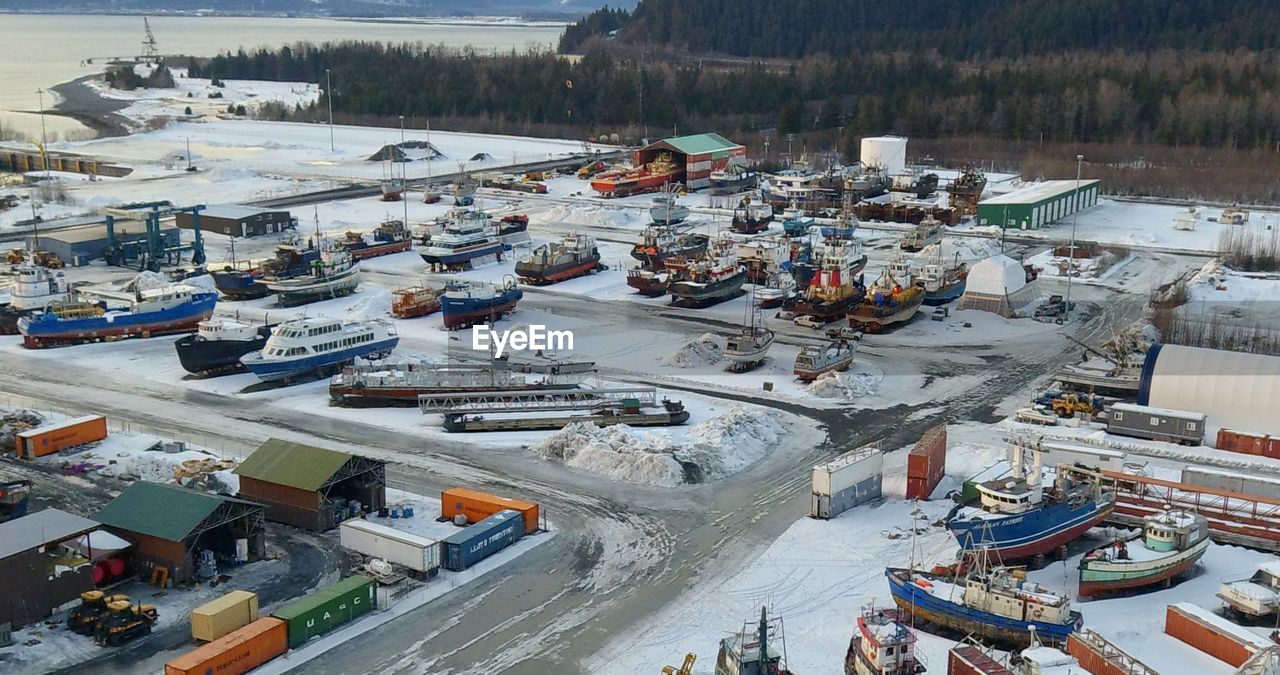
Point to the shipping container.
(477, 542)
(237, 652)
(927, 463)
(849, 480)
(379, 541)
(216, 618)
(1232, 482)
(1273, 447)
(477, 506)
(1157, 424)
(52, 438)
(1098, 661)
(1054, 453)
(328, 608)
(1241, 442)
(970, 660)
(1212, 634)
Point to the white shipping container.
(847, 470)
(401, 548)
(1060, 452)
(1261, 486)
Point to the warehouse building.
(40, 569)
(312, 488)
(78, 245)
(697, 155)
(235, 220)
(1039, 204)
(171, 527)
(1236, 390)
(1001, 285)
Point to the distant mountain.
(548, 9)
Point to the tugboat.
(882, 644)
(748, 348)
(391, 237)
(795, 223)
(310, 345)
(751, 218)
(997, 604)
(833, 289)
(888, 302)
(658, 243)
(927, 233)
(237, 282)
(1170, 544)
(915, 181)
(466, 237)
(218, 345)
(966, 190)
(667, 209)
(943, 283)
(334, 275)
(1020, 519)
(35, 288)
(466, 303)
(649, 283)
(711, 279)
(652, 176)
(758, 650)
(574, 256)
(872, 182)
(732, 179)
(160, 311)
(414, 301)
(764, 257)
(814, 361)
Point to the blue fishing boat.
(465, 303)
(311, 345)
(1019, 518)
(466, 236)
(999, 605)
(160, 311)
(795, 223)
(245, 281)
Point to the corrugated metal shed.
(292, 464)
(699, 144)
(162, 511)
(39, 528)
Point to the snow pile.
(969, 248)
(589, 215)
(702, 351)
(14, 422)
(718, 447)
(847, 386)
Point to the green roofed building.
(1038, 204)
(169, 526)
(699, 155)
(309, 487)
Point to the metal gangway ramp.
(533, 400)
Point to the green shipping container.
(328, 608)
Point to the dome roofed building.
(1001, 285)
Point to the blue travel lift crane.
(151, 251)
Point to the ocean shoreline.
(80, 102)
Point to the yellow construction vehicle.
(123, 622)
(1067, 405)
(686, 669)
(533, 176)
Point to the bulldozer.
(93, 605)
(1067, 405)
(123, 622)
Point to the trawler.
(943, 283)
(573, 256)
(813, 361)
(333, 275)
(889, 300)
(882, 644)
(926, 233)
(712, 278)
(748, 348)
(658, 243)
(833, 289)
(1171, 543)
(35, 288)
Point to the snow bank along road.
(623, 551)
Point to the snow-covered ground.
(819, 575)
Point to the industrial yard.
(241, 382)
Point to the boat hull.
(649, 287)
(691, 294)
(37, 333)
(916, 603)
(749, 225)
(827, 309)
(380, 249)
(456, 424)
(657, 259)
(1025, 535)
(875, 318)
(1097, 577)
(291, 293)
(468, 312)
(945, 294)
(550, 275)
(240, 285)
(809, 375)
(283, 370)
(461, 256)
(209, 356)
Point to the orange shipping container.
(1209, 633)
(927, 463)
(1241, 442)
(236, 652)
(477, 506)
(47, 440)
(1273, 447)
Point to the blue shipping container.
(477, 542)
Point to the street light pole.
(404, 177)
(328, 94)
(1075, 217)
(44, 139)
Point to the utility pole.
(404, 176)
(44, 139)
(1075, 217)
(328, 95)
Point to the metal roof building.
(699, 154)
(79, 245)
(1236, 390)
(309, 487)
(1038, 204)
(236, 220)
(169, 526)
(39, 572)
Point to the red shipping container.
(1226, 440)
(927, 463)
(1243, 443)
(1210, 633)
(1096, 662)
(1272, 448)
(969, 660)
